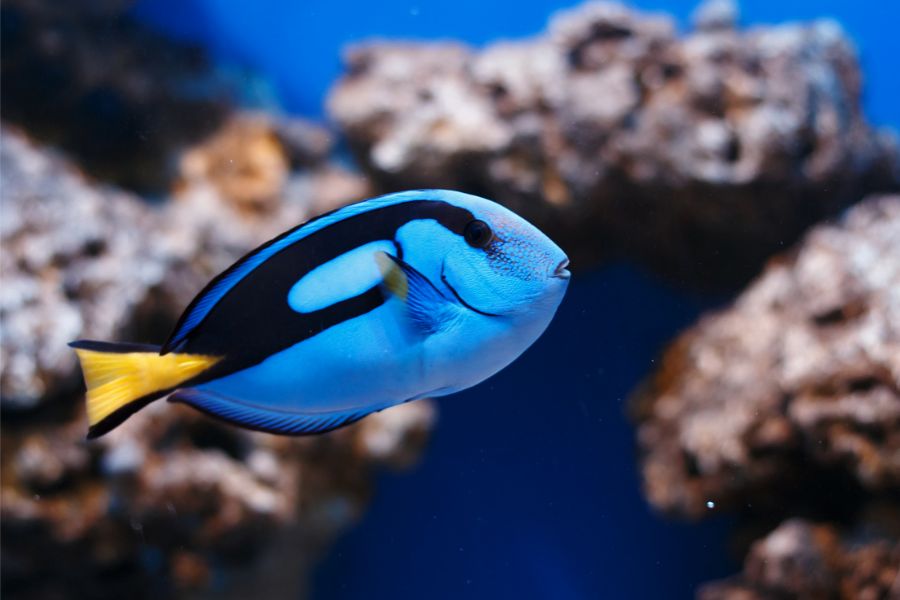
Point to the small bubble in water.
(710, 504)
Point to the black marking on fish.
(117, 347)
(118, 416)
(253, 320)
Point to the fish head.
(500, 264)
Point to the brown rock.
(244, 160)
(700, 155)
(256, 161)
(74, 263)
(811, 562)
(791, 390)
(194, 497)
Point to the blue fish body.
(413, 294)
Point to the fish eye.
(478, 234)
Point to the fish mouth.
(561, 272)
(461, 300)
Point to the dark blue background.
(529, 487)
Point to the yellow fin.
(115, 379)
(395, 279)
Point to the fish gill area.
(133, 172)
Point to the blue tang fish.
(413, 294)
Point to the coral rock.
(794, 386)
(173, 501)
(244, 160)
(72, 266)
(250, 160)
(714, 15)
(803, 560)
(700, 155)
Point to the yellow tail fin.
(116, 378)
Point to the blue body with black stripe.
(413, 294)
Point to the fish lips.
(561, 271)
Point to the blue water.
(529, 487)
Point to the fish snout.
(561, 271)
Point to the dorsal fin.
(216, 289)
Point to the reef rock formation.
(802, 560)
(799, 378)
(787, 404)
(76, 260)
(700, 155)
(173, 502)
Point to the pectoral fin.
(426, 307)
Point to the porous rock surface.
(798, 378)
(173, 503)
(800, 559)
(785, 407)
(77, 260)
(700, 154)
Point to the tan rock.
(700, 155)
(800, 377)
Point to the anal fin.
(269, 420)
